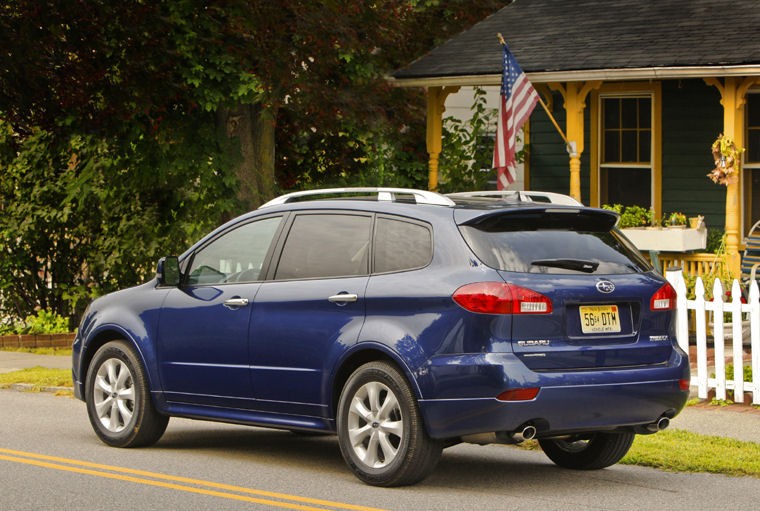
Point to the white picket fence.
(737, 311)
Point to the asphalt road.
(51, 459)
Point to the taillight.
(684, 384)
(501, 298)
(664, 299)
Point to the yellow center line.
(35, 457)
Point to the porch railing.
(694, 265)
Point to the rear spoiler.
(537, 217)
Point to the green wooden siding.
(692, 117)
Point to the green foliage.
(631, 216)
(83, 215)
(42, 322)
(747, 370)
(716, 241)
(465, 163)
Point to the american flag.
(518, 98)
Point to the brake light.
(501, 298)
(664, 299)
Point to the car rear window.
(553, 243)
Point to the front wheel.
(588, 452)
(118, 398)
(380, 430)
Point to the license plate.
(599, 319)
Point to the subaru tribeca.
(404, 321)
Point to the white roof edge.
(639, 73)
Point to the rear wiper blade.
(569, 264)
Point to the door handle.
(342, 298)
(235, 302)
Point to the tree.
(129, 128)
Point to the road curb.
(28, 387)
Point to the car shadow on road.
(464, 466)
(271, 446)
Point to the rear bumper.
(566, 402)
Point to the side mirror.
(168, 271)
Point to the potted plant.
(676, 220)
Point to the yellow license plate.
(599, 319)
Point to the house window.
(753, 128)
(752, 160)
(626, 150)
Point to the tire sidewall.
(121, 351)
(383, 374)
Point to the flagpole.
(546, 109)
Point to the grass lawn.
(39, 377)
(684, 451)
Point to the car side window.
(401, 245)
(236, 256)
(326, 245)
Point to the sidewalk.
(15, 361)
(739, 422)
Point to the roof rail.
(383, 194)
(522, 196)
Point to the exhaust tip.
(663, 423)
(526, 433)
(529, 432)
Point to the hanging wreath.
(727, 157)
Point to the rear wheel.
(380, 430)
(118, 398)
(588, 452)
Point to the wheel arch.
(362, 354)
(100, 338)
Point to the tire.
(118, 398)
(380, 430)
(591, 452)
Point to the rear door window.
(401, 245)
(326, 245)
(553, 244)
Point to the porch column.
(436, 101)
(574, 94)
(733, 92)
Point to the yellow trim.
(526, 162)
(574, 94)
(436, 105)
(655, 90)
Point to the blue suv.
(404, 321)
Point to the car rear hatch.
(603, 306)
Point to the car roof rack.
(383, 194)
(522, 196)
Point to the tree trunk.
(250, 133)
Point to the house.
(641, 87)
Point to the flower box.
(667, 239)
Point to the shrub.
(43, 322)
